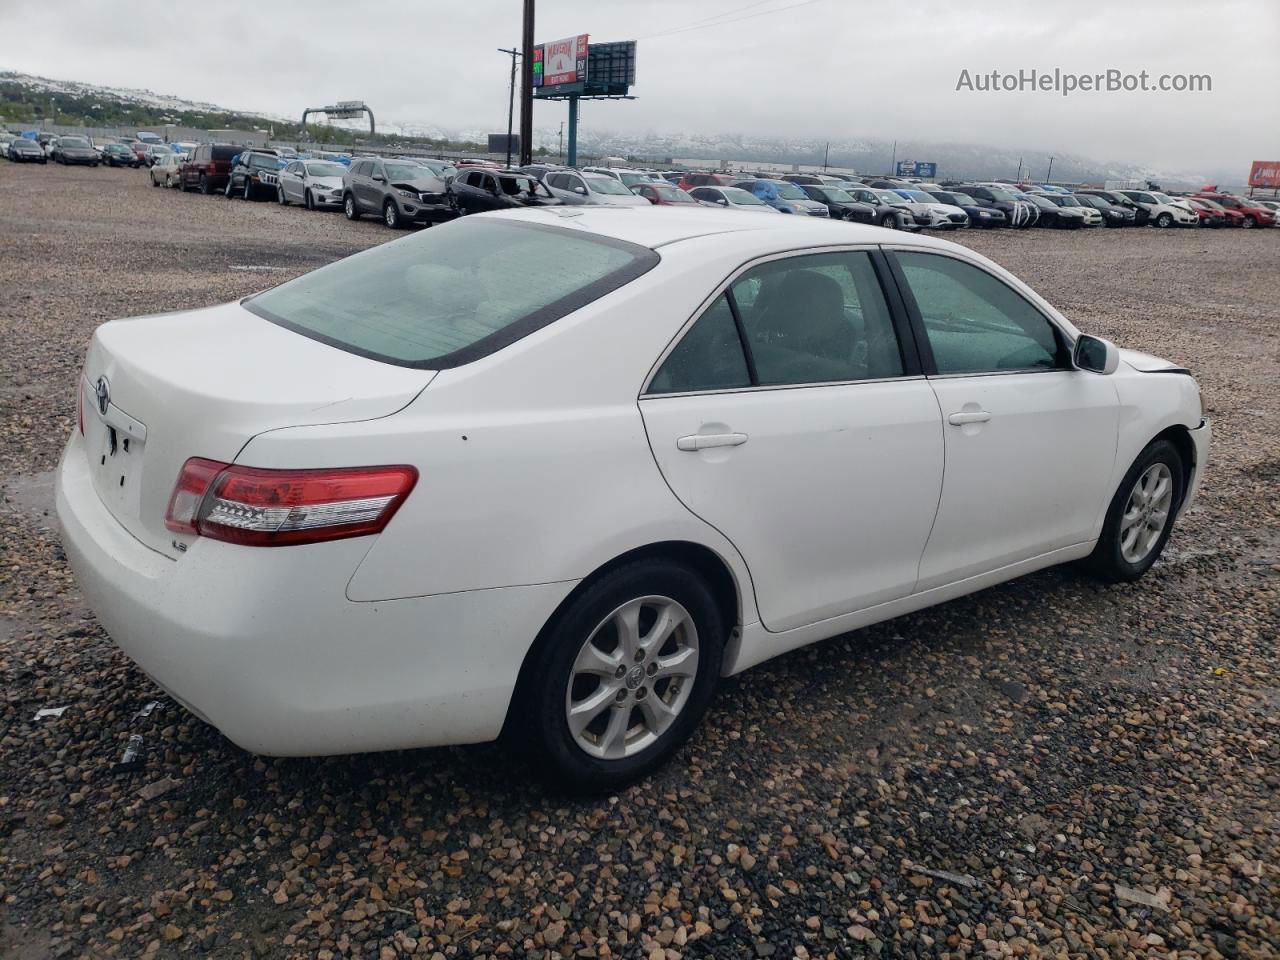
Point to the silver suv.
(595, 188)
(401, 192)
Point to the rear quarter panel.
(534, 462)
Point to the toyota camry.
(557, 472)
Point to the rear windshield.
(225, 153)
(451, 295)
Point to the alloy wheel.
(1146, 513)
(632, 678)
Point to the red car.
(664, 194)
(1212, 215)
(691, 180)
(1251, 216)
(208, 168)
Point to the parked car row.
(406, 191)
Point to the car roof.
(655, 227)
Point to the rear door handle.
(701, 441)
(968, 416)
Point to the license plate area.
(115, 445)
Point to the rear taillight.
(271, 508)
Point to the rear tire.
(572, 670)
(1141, 515)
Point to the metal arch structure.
(345, 110)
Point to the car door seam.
(942, 485)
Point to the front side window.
(975, 322)
(445, 297)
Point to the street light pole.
(511, 100)
(526, 87)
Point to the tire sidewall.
(541, 699)
(1107, 558)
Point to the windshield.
(999, 193)
(606, 185)
(789, 191)
(447, 296)
(406, 171)
(1163, 197)
(836, 195)
(954, 199)
(919, 196)
(442, 170)
(261, 161)
(322, 168)
(631, 179)
(888, 196)
(74, 142)
(741, 197)
(672, 194)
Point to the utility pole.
(1019, 178)
(893, 164)
(1048, 177)
(526, 87)
(826, 156)
(562, 141)
(511, 100)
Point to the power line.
(718, 23)
(728, 13)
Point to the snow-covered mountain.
(868, 154)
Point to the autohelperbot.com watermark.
(1065, 83)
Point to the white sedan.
(559, 471)
(312, 183)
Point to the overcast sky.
(841, 69)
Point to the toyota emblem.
(103, 391)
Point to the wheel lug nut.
(622, 695)
(620, 672)
(653, 668)
(640, 694)
(639, 655)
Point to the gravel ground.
(1087, 770)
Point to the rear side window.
(709, 357)
(449, 296)
(225, 153)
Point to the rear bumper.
(264, 645)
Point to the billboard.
(560, 62)
(915, 168)
(1265, 173)
(504, 143)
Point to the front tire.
(280, 197)
(248, 190)
(308, 201)
(1249, 223)
(889, 222)
(391, 215)
(621, 677)
(1164, 220)
(1141, 515)
(349, 207)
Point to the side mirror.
(1095, 355)
(378, 178)
(581, 190)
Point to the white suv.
(1164, 212)
(574, 187)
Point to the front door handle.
(968, 416)
(701, 441)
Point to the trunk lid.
(157, 390)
